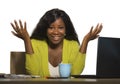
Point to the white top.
(54, 71)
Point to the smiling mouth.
(56, 38)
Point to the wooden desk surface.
(60, 81)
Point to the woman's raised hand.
(20, 30)
(93, 34)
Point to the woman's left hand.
(93, 34)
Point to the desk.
(60, 81)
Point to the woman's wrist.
(28, 46)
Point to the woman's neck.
(55, 53)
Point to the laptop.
(108, 59)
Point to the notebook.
(108, 59)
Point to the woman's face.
(56, 31)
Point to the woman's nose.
(56, 31)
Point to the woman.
(54, 41)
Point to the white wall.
(84, 14)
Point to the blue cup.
(64, 70)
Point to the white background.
(83, 13)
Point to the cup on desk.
(64, 69)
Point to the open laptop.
(108, 59)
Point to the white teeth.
(56, 38)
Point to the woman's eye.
(61, 27)
(50, 27)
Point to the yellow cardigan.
(37, 63)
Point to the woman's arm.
(92, 34)
(21, 32)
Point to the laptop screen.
(108, 57)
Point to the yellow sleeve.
(78, 59)
(72, 55)
(32, 60)
(78, 64)
(37, 63)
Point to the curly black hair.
(40, 32)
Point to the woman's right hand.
(20, 30)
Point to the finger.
(96, 29)
(101, 26)
(90, 32)
(13, 26)
(15, 34)
(91, 29)
(21, 26)
(16, 24)
(99, 29)
(17, 27)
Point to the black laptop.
(108, 59)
